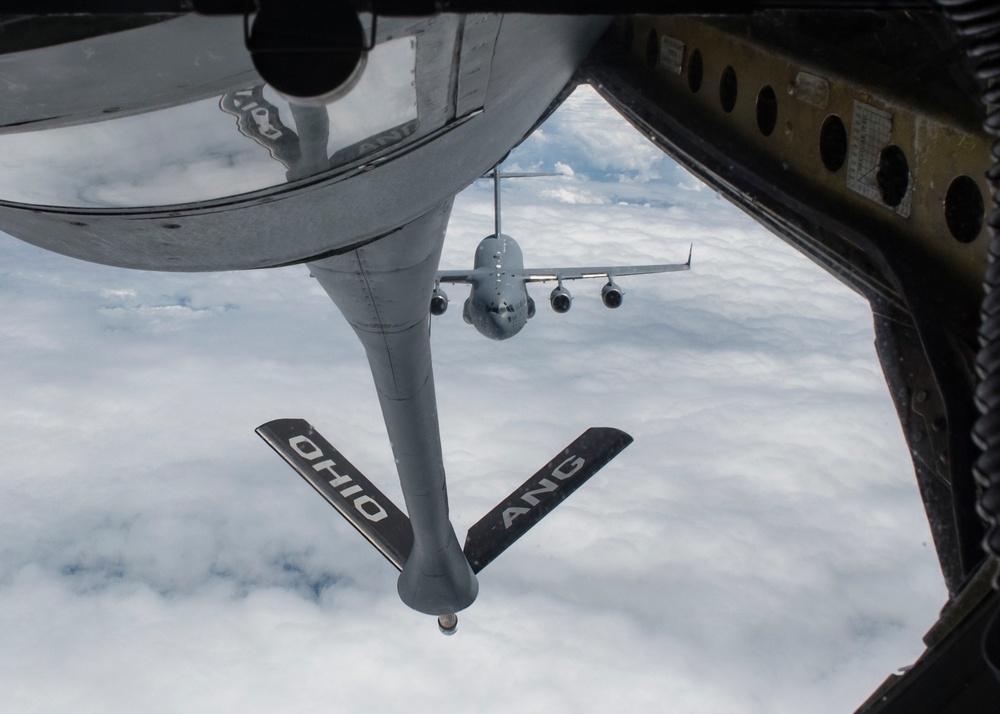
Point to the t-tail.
(388, 529)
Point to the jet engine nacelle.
(561, 299)
(612, 295)
(439, 302)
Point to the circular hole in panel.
(696, 70)
(727, 89)
(652, 48)
(292, 65)
(893, 175)
(833, 143)
(963, 209)
(767, 110)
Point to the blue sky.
(761, 546)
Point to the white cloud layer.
(761, 547)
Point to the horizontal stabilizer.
(498, 529)
(335, 479)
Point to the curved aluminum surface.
(245, 140)
(241, 179)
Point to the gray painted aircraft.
(221, 152)
(188, 135)
(499, 305)
(229, 151)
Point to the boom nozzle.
(448, 624)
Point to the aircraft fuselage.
(498, 305)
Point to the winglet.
(690, 250)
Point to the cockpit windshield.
(503, 307)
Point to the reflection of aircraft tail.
(259, 119)
(388, 528)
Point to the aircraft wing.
(540, 275)
(454, 276)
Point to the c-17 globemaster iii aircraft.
(499, 305)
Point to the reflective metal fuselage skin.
(498, 302)
(183, 172)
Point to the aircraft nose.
(502, 323)
(506, 325)
(494, 324)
